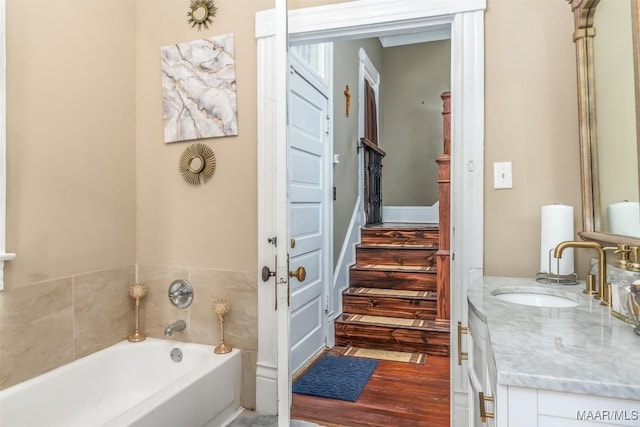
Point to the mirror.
(606, 37)
(197, 163)
(201, 13)
(617, 178)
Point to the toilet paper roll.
(624, 218)
(556, 227)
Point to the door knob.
(266, 273)
(300, 273)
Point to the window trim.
(4, 255)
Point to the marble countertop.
(579, 349)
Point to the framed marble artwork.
(199, 89)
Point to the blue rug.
(336, 377)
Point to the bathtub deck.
(398, 394)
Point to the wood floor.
(397, 395)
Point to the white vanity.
(539, 366)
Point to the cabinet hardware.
(461, 355)
(483, 410)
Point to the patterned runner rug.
(394, 356)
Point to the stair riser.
(399, 237)
(392, 338)
(389, 306)
(421, 257)
(415, 281)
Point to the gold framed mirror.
(197, 164)
(608, 117)
(201, 13)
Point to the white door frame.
(368, 18)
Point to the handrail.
(366, 142)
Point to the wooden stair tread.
(402, 226)
(401, 303)
(391, 267)
(394, 322)
(420, 236)
(396, 246)
(391, 293)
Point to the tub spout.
(176, 326)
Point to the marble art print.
(199, 89)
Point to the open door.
(281, 61)
(309, 193)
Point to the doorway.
(368, 18)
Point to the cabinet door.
(490, 398)
(478, 373)
(474, 403)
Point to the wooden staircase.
(391, 301)
(399, 292)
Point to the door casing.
(369, 18)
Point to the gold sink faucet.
(602, 263)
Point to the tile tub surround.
(47, 324)
(579, 349)
(241, 324)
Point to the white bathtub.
(130, 384)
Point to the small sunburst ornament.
(197, 164)
(201, 13)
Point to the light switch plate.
(502, 177)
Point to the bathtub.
(131, 384)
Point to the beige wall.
(206, 234)
(414, 77)
(530, 120)
(78, 203)
(213, 225)
(71, 183)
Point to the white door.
(308, 185)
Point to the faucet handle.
(624, 251)
(633, 264)
(590, 285)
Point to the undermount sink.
(538, 297)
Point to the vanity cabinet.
(482, 394)
(512, 406)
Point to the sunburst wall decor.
(201, 13)
(197, 164)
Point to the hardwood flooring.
(397, 395)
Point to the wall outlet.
(502, 177)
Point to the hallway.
(398, 394)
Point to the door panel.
(308, 139)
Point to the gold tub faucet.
(602, 263)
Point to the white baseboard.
(346, 259)
(266, 389)
(411, 214)
(460, 407)
(331, 333)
